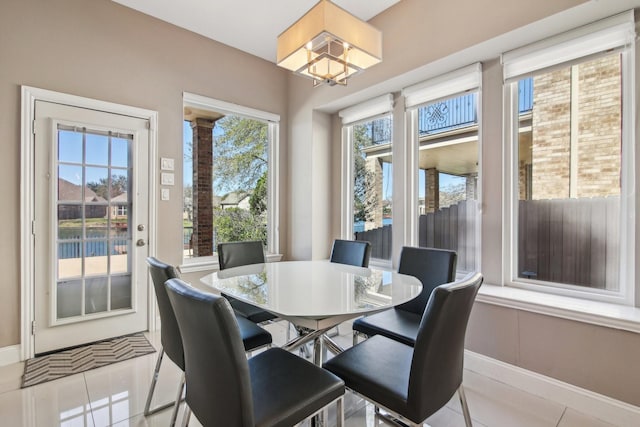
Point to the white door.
(91, 215)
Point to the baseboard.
(588, 402)
(9, 355)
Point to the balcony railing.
(461, 111)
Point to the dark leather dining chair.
(351, 252)
(412, 383)
(433, 267)
(236, 254)
(253, 336)
(224, 388)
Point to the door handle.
(141, 242)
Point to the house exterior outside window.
(571, 163)
(230, 189)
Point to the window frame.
(626, 293)
(273, 164)
(367, 111)
(449, 85)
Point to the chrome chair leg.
(340, 412)
(465, 408)
(152, 387)
(176, 405)
(357, 334)
(187, 415)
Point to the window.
(571, 158)
(443, 113)
(369, 184)
(229, 179)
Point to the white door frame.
(27, 211)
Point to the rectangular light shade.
(324, 20)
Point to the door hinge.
(33, 228)
(33, 327)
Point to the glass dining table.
(315, 296)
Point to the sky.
(70, 154)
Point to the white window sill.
(194, 265)
(595, 312)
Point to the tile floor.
(115, 396)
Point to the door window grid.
(93, 233)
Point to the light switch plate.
(166, 178)
(165, 194)
(166, 164)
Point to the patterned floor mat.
(68, 362)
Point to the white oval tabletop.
(315, 289)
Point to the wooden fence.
(380, 239)
(450, 228)
(572, 241)
(454, 228)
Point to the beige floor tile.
(573, 418)
(160, 419)
(116, 394)
(62, 402)
(498, 405)
(119, 391)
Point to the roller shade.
(611, 33)
(446, 85)
(373, 107)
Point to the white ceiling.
(249, 25)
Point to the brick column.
(471, 186)
(432, 190)
(202, 187)
(374, 195)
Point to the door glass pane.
(448, 177)
(93, 224)
(120, 292)
(70, 147)
(69, 298)
(97, 149)
(95, 261)
(70, 183)
(373, 185)
(96, 295)
(119, 152)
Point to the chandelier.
(329, 45)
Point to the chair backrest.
(433, 267)
(235, 254)
(217, 372)
(351, 252)
(437, 364)
(169, 333)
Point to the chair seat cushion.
(399, 325)
(251, 312)
(287, 389)
(378, 369)
(253, 336)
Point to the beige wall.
(596, 358)
(101, 50)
